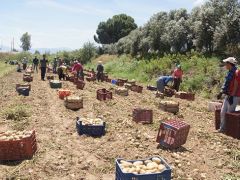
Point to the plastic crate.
(119, 83)
(169, 92)
(217, 118)
(62, 93)
(103, 94)
(165, 175)
(89, 79)
(213, 105)
(55, 84)
(108, 80)
(151, 88)
(233, 124)
(173, 133)
(80, 84)
(91, 130)
(136, 88)
(18, 149)
(185, 95)
(73, 102)
(28, 86)
(27, 78)
(23, 91)
(105, 77)
(143, 116)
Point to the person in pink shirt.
(77, 68)
(177, 75)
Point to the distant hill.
(41, 50)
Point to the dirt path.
(62, 154)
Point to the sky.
(70, 23)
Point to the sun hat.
(231, 60)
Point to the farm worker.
(55, 63)
(35, 64)
(92, 74)
(19, 68)
(162, 82)
(231, 88)
(24, 62)
(43, 66)
(177, 75)
(62, 72)
(77, 68)
(100, 70)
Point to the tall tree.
(114, 29)
(26, 41)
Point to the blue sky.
(70, 23)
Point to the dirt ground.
(63, 154)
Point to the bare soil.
(63, 154)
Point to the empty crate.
(173, 133)
(136, 88)
(233, 124)
(80, 84)
(103, 94)
(144, 116)
(185, 95)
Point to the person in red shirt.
(231, 89)
(77, 68)
(177, 75)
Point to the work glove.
(219, 96)
(230, 100)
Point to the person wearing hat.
(177, 75)
(24, 63)
(231, 90)
(100, 70)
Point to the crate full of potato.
(169, 106)
(154, 168)
(121, 91)
(17, 145)
(90, 126)
(73, 102)
(27, 77)
(23, 89)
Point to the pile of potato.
(14, 135)
(91, 121)
(143, 167)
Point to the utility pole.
(13, 45)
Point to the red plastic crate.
(27, 78)
(89, 79)
(18, 149)
(185, 95)
(233, 124)
(217, 118)
(173, 133)
(136, 88)
(80, 84)
(108, 80)
(143, 116)
(103, 94)
(168, 92)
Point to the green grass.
(5, 69)
(16, 112)
(200, 73)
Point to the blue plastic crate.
(114, 81)
(165, 175)
(23, 91)
(91, 130)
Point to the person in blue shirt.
(162, 82)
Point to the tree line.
(211, 28)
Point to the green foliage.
(114, 29)
(16, 112)
(26, 41)
(201, 74)
(210, 28)
(5, 69)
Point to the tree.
(87, 52)
(114, 29)
(26, 41)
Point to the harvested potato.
(156, 160)
(137, 163)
